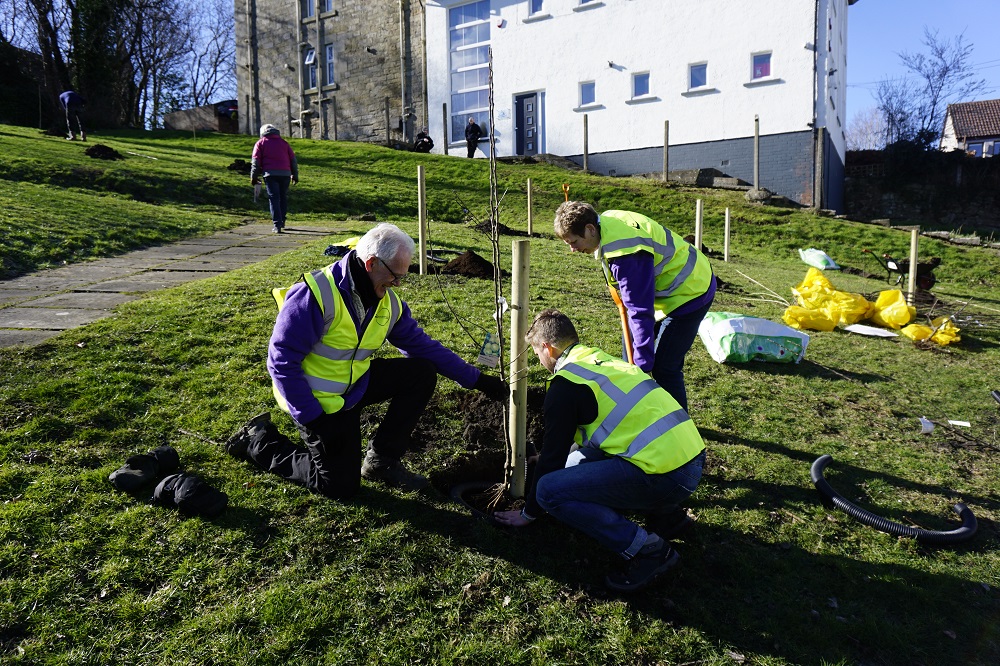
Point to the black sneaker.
(394, 474)
(236, 446)
(670, 525)
(643, 569)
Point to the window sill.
(697, 92)
(768, 81)
(330, 14)
(534, 18)
(332, 86)
(586, 6)
(645, 99)
(589, 107)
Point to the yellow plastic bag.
(946, 333)
(807, 318)
(815, 292)
(891, 310)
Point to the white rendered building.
(709, 67)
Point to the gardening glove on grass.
(191, 495)
(493, 387)
(141, 469)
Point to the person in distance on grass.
(665, 284)
(274, 160)
(328, 328)
(473, 132)
(614, 441)
(73, 102)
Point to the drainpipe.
(250, 68)
(402, 70)
(815, 114)
(423, 48)
(320, 65)
(301, 67)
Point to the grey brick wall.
(786, 163)
(366, 40)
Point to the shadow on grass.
(734, 588)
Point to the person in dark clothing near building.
(274, 160)
(473, 132)
(323, 373)
(424, 143)
(73, 103)
(614, 441)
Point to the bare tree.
(211, 67)
(896, 104)
(944, 75)
(866, 130)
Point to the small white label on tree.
(489, 354)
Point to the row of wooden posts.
(517, 419)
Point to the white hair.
(384, 241)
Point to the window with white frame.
(331, 77)
(588, 93)
(469, 46)
(640, 84)
(534, 6)
(760, 66)
(308, 8)
(310, 63)
(697, 75)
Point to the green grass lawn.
(89, 575)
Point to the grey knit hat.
(268, 129)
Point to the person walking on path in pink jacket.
(274, 160)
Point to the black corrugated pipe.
(831, 498)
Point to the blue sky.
(879, 29)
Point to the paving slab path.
(37, 306)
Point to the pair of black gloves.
(191, 495)
(494, 388)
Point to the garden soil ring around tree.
(474, 478)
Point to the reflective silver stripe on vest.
(654, 430)
(689, 265)
(325, 286)
(624, 403)
(641, 242)
(333, 354)
(395, 312)
(325, 385)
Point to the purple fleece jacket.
(299, 326)
(636, 283)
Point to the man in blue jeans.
(614, 441)
(665, 284)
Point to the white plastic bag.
(818, 259)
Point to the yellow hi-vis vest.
(340, 358)
(682, 272)
(636, 419)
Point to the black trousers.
(472, 144)
(330, 461)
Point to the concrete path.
(37, 306)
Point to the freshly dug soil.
(240, 166)
(470, 264)
(99, 151)
(502, 229)
(485, 456)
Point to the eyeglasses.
(396, 279)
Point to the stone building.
(715, 72)
(331, 69)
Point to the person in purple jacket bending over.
(665, 284)
(323, 373)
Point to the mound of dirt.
(470, 264)
(502, 229)
(99, 151)
(240, 166)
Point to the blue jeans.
(277, 196)
(588, 496)
(674, 337)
